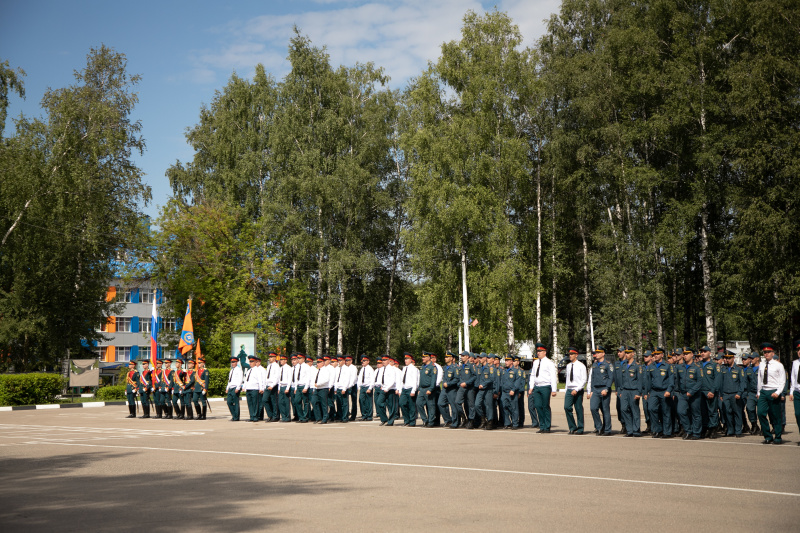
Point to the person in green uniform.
(731, 393)
(188, 390)
(709, 390)
(176, 384)
(155, 375)
(146, 386)
(201, 390)
(132, 388)
(166, 388)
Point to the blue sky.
(187, 50)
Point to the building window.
(170, 324)
(168, 354)
(146, 296)
(144, 352)
(124, 295)
(123, 324)
(144, 324)
(99, 352)
(122, 353)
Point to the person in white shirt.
(346, 385)
(379, 395)
(543, 385)
(390, 377)
(300, 387)
(311, 375)
(270, 397)
(771, 381)
(794, 388)
(284, 390)
(254, 388)
(365, 382)
(234, 387)
(321, 383)
(406, 392)
(576, 385)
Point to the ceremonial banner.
(154, 335)
(187, 334)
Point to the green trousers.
(233, 404)
(284, 404)
(571, 402)
(769, 412)
(541, 399)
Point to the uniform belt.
(659, 390)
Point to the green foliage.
(217, 381)
(30, 389)
(111, 393)
(70, 201)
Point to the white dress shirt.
(548, 374)
(378, 381)
(235, 378)
(273, 373)
(390, 377)
(300, 376)
(439, 373)
(323, 378)
(312, 377)
(366, 377)
(254, 380)
(285, 376)
(793, 385)
(578, 373)
(409, 378)
(776, 376)
(347, 378)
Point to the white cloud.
(399, 36)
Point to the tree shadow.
(55, 492)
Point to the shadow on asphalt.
(57, 493)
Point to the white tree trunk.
(464, 297)
(711, 334)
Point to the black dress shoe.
(600, 433)
(765, 441)
(694, 437)
(383, 423)
(667, 436)
(578, 433)
(571, 431)
(540, 431)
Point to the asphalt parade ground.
(95, 470)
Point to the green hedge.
(111, 393)
(217, 381)
(30, 389)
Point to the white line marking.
(436, 467)
(267, 429)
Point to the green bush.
(111, 393)
(217, 381)
(30, 389)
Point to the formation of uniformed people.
(683, 393)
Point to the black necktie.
(538, 367)
(571, 371)
(269, 371)
(248, 373)
(230, 375)
(766, 367)
(404, 375)
(316, 381)
(383, 376)
(297, 371)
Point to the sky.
(185, 51)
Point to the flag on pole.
(473, 322)
(197, 355)
(187, 334)
(154, 335)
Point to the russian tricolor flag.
(154, 335)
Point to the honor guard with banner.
(132, 388)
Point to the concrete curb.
(75, 405)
